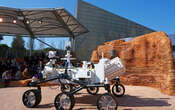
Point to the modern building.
(172, 38)
(103, 26)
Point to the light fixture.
(14, 21)
(27, 21)
(1, 20)
(40, 21)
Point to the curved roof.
(45, 22)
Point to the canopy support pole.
(72, 40)
(31, 45)
(28, 28)
(73, 44)
(45, 43)
(71, 37)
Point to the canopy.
(55, 22)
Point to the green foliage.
(18, 50)
(46, 50)
(61, 52)
(4, 49)
(4, 46)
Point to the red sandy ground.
(136, 98)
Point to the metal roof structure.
(44, 22)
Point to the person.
(18, 75)
(3, 67)
(23, 66)
(40, 68)
(13, 69)
(6, 77)
(26, 73)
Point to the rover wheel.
(93, 90)
(66, 88)
(64, 102)
(106, 102)
(31, 98)
(118, 90)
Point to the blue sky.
(156, 14)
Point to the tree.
(4, 50)
(18, 49)
(28, 43)
(61, 52)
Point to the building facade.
(103, 26)
(172, 38)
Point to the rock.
(24, 83)
(20, 83)
(148, 60)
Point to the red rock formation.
(148, 60)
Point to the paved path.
(136, 98)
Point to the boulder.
(148, 60)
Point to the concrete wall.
(103, 26)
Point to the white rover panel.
(81, 73)
(106, 67)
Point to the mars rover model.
(73, 79)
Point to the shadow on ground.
(126, 101)
(134, 101)
(86, 101)
(45, 105)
